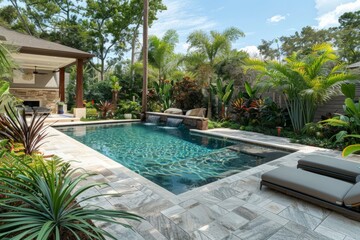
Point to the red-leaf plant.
(14, 126)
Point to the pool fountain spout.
(153, 119)
(173, 122)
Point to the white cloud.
(276, 18)
(253, 51)
(324, 6)
(178, 17)
(330, 18)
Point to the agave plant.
(40, 203)
(14, 126)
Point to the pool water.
(173, 158)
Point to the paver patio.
(231, 208)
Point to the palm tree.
(161, 52)
(306, 81)
(212, 46)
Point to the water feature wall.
(153, 119)
(173, 122)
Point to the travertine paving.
(231, 208)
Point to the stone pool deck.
(231, 208)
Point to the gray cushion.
(352, 198)
(339, 166)
(315, 185)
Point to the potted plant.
(60, 106)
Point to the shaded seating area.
(323, 185)
(39, 110)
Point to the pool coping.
(86, 160)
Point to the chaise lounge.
(332, 167)
(331, 193)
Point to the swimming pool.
(173, 158)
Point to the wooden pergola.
(49, 56)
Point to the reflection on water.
(169, 156)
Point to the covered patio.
(40, 70)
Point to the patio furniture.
(196, 112)
(176, 111)
(332, 167)
(39, 110)
(334, 194)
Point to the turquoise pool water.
(171, 157)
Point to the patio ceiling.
(51, 63)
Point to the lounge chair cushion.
(174, 111)
(352, 198)
(196, 112)
(315, 185)
(332, 167)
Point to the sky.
(258, 19)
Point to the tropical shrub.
(187, 94)
(106, 109)
(154, 103)
(14, 127)
(40, 202)
(349, 123)
(91, 113)
(128, 107)
(224, 92)
(6, 98)
(305, 80)
(164, 91)
(351, 148)
(99, 91)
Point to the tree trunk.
(209, 111)
(115, 96)
(145, 59)
(133, 42)
(102, 69)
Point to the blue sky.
(258, 19)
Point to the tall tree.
(300, 41)
(348, 36)
(107, 24)
(304, 41)
(137, 7)
(212, 46)
(268, 51)
(161, 52)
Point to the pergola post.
(79, 111)
(62, 84)
(79, 83)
